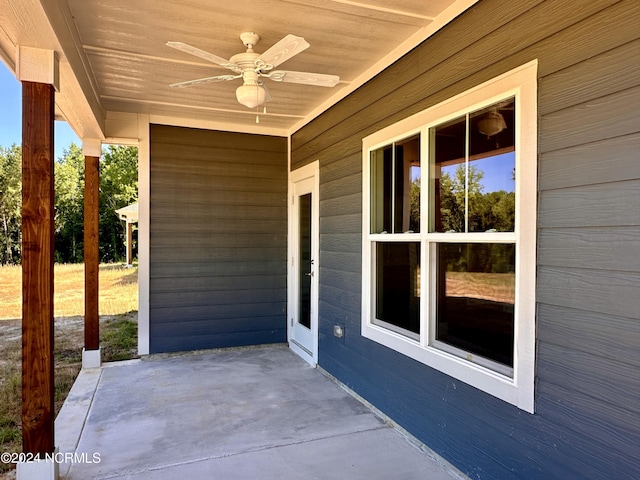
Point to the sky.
(497, 170)
(11, 116)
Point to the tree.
(499, 211)
(453, 197)
(69, 203)
(414, 219)
(10, 203)
(118, 188)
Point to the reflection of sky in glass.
(498, 172)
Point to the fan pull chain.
(257, 100)
(264, 111)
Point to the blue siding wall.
(218, 239)
(587, 420)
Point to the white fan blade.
(282, 51)
(186, 48)
(267, 94)
(219, 78)
(306, 78)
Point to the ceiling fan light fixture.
(251, 66)
(251, 95)
(492, 123)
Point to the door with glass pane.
(303, 266)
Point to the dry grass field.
(118, 336)
(496, 287)
(118, 290)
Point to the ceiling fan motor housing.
(245, 60)
(250, 77)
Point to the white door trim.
(144, 223)
(310, 171)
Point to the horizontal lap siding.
(588, 328)
(588, 378)
(218, 239)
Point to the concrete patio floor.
(258, 413)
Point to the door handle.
(310, 274)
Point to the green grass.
(119, 339)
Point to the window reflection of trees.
(487, 211)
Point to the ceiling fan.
(492, 122)
(252, 67)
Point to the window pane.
(407, 186)
(473, 188)
(398, 284)
(395, 187)
(476, 297)
(494, 209)
(492, 129)
(381, 189)
(447, 160)
(305, 266)
(492, 165)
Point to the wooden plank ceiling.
(126, 66)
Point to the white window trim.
(519, 389)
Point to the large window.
(449, 238)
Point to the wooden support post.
(91, 252)
(37, 268)
(129, 243)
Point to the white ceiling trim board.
(67, 36)
(383, 9)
